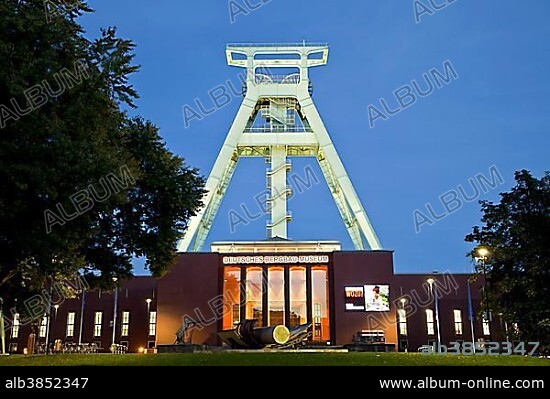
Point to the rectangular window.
(70, 324)
(125, 330)
(402, 316)
(98, 321)
(486, 328)
(515, 329)
(152, 323)
(430, 325)
(231, 297)
(16, 327)
(276, 296)
(457, 313)
(320, 302)
(43, 327)
(298, 296)
(254, 292)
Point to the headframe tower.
(277, 120)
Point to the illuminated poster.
(377, 298)
(368, 298)
(355, 298)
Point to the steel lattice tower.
(290, 127)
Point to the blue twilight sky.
(495, 113)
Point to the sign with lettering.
(275, 259)
(355, 298)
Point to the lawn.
(272, 359)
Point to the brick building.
(284, 282)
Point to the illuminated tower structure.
(277, 120)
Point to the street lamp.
(148, 301)
(56, 306)
(433, 289)
(48, 314)
(82, 308)
(115, 305)
(402, 325)
(483, 254)
(49, 304)
(501, 316)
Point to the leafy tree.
(517, 230)
(64, 131)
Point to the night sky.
(490, 119)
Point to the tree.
(518, 271)
(84, 187)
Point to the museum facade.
(345, 297)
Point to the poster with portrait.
(377, 298)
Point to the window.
(70, 324)
(43, 327)
(152, 323)
(254, 291)
(320, 301)
(16, 327)
(125, 324)
(98, 320)
(298, 297)
(402, 316)
(457, 313)
(430, 322)
(486, 327)
(231, 297)
(276, 296)
(515, 329)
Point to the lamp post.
(115, 306)
(403, 334)
(471, 314)
(483, 254)
(82, 305)
(433, 289)
(49, 312)
(500, 315)
(148, 301)
(56, 306)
